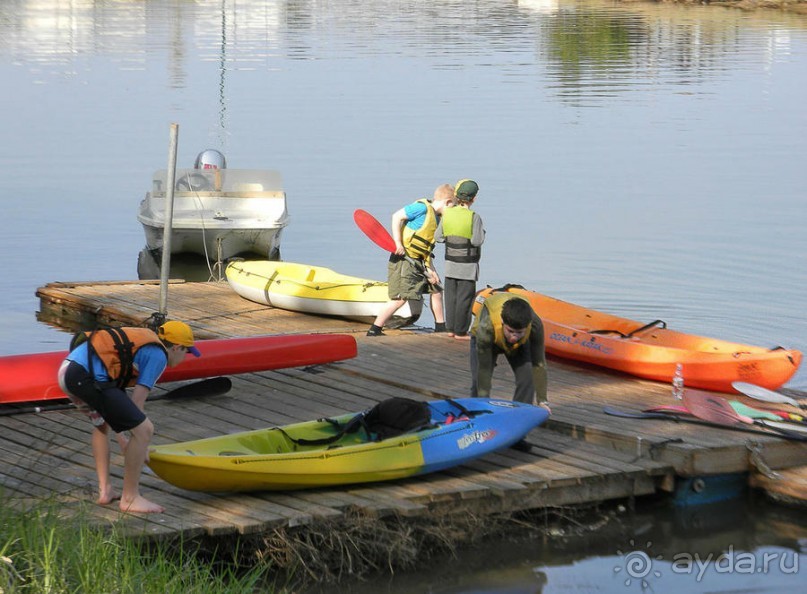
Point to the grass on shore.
(44, 553)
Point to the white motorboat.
(218, 212)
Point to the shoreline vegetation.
(792, 6)
(50, 548)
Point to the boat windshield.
(219, 180)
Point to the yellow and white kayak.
(315, 290)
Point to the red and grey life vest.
(116, 347)
(458, 228)
(420, 243)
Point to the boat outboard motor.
(210, 159)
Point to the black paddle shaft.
(213, 386)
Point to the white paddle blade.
(760, 393)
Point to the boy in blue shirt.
(410, 272)
(95, 376)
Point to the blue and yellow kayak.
(271, 459)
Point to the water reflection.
(578, 39)
(185, 266)
(657, 548)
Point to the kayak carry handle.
(652, 324)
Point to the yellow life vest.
(420, 243)
(116, 347)
(494, 304)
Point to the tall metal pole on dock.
(165, 266)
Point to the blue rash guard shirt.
(150, 361)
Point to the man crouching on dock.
(95, 374)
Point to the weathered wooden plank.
(789, 486)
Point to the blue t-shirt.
(150, 360)
(415, 215)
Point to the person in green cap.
(463, 232)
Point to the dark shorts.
(113, 404)
(407, 280)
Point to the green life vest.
(458, 228)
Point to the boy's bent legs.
(134, 458)
(402, 285)
(387, 312)
(437, 307)
(100, 452)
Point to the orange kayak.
(652, 350)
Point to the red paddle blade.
(377, 233)
(711, 407)
(669, 409)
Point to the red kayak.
(30, 378)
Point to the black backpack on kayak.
(396, 416)
(389, 418)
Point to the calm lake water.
(645, 160)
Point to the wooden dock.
(580, 456)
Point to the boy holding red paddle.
(410, 272)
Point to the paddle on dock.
(765, 395)
(680, 417)
(213, 386)
(714, 408)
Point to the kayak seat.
(311, 274)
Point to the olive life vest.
(420, 243)
(458, 228)
(494, 304)
(116, 347)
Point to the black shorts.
(112, 403)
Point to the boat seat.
(247, 187)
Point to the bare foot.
(462, 337)
(107, 496)
(546, 406)
(141, 505)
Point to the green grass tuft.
(43, 552)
